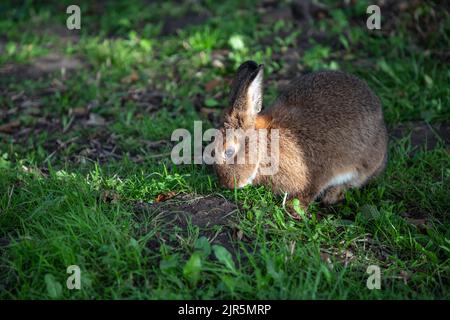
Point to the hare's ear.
(255, 91)
(247, 89)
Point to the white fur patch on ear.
(255, 94)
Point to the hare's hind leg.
(334, 190)
(355, 178)
(369, 171)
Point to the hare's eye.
(229, 152)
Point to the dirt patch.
(212, 214)
(40, 67)
(99, 145)
(102, 146)
(61, 32)
(25, 116)
(422, 133)
(147, 100)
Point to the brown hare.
(332, 135)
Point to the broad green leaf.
(210, 102)
(224, 256)
(54, 288)
(193, 267)
(169, 263)
(202, 245)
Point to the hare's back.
(331, 109)
(330, 93)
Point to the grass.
(69, 187)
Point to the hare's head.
(237, 157)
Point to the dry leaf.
(31, 104)
(95, 120)
(417, 222)
(325, 257)
(110, 196)
(165, 196)
(292, 245)
(208, 111)
(405, 276)
(348, 256)
(133, 77)
(421, 224)
(211, 85)
(79, 111)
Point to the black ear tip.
(249, 64)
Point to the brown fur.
(330, 123)
(263, 121)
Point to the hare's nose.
(229, 152)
